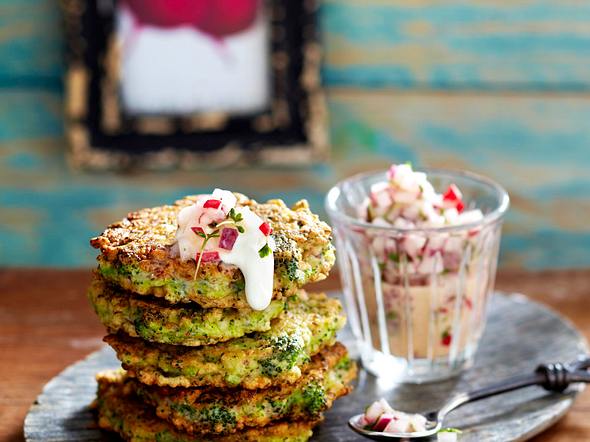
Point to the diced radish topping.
(376, 409)
(228, 199)
(208, 256)
(402, 223)
(446, 436)
(212, 204)
(391, 172)
(452, 194)
(451, 261)
(228, 238)
(471, 216)
(451, 215)
(399, 424)
(407, 201)
(446, 339)
(413, 244)
(379, 416)
(382, 422)
(431, 264)
(405, 197)
(265, 229)
(454, 244)
(363, 421)
(418, 422)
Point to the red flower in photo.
(219, 18)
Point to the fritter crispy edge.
(210, 410)
(120, 411)
(255, 361)
(136, 253)
(185, 324)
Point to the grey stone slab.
(519, 335)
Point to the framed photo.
(193, 83)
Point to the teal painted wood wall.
(501, 88)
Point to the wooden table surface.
(46, 324)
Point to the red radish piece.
(228, 238)
(474, 232)
(399, 424)
(413, 244)
(265, 229)
(208, 256)
(376, 409)
(380, 199)
(452, 194)
(382, 422)
(460, 206)
(471, 216)
(212, 204)
(391, 172)
(446, 339)
(198, 231)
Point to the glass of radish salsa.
(417, 253)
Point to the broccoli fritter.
(258, 360)
(186, 324)
(203, 410)
(120, 411)
(137, 253)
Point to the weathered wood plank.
(31, 46)
(492, 44)
(536, 145)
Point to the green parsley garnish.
(264, 251)
(450, 430)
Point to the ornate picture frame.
(292, 129)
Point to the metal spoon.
(552, 377)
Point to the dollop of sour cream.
(258, 270)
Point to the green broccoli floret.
(292, 267)
(343, 364)
(286, 353)
(314, 398)
(218, 416)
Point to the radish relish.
(408, 201)
(379, 416)
(215, 229)
(432, 279)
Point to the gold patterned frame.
(102, 138)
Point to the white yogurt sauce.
(258, 271)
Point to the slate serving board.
(519, 335)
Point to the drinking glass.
(416, 298)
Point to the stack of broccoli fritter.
(198, 362)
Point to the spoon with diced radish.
(381, 422)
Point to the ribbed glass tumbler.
(417, 318)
